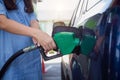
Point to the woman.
(18, 29)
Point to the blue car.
(87, 15)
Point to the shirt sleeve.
(2, 8)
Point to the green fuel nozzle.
(66, 42)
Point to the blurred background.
(50, 11)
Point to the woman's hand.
(41, 38)
(45, 40)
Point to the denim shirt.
(28, 64)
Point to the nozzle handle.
(45, 57)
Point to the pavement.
(52, 69)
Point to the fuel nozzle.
(66, 42)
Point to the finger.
(46, 48)
(38, 44)
(50, 46)
(34, 41)
(53, 45)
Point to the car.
(87, 15)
